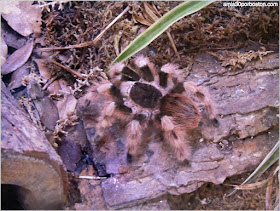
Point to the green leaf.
(160, 26)
(268, 161)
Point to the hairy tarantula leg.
(170, 77)
(104, 87)
(173, 70)
(163, 79)
(146, 68)
(115, 71)
(134, 134)
(176, 137)
(106, 119)
(202, 94)
(123, 73)
(166, 71)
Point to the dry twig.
(73, 72)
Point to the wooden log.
(247, 103)
(28, 159)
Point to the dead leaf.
(53, 87)
(252, 186)
(77, 134)
(17, 59)
(149, 9)
(45, 106)
(256, 185)
(68, 103)
(47, 111)
(11, 37)
(23, 17)
(44, 71)
(4, 51)
(142, 20)
(70, 153)
(64, 87)
(18, 76)
(116, 44)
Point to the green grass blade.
(160, 26)
(268, 161)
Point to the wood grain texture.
(28, 159)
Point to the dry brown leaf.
(44, 71)
(149, 18)
(64, 87)
(150, 11)
(252, 186)
(11, 37)
(142, 20)
(47, 111)
(17, 59)
(68, 103)
(117, 43)
(4, 51)
(18, 76)
(70, 153)
(45, 106)
(53, 87)
(256, 185)
(23, 17)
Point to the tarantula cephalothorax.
(141, 96)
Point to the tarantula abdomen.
(183, 110)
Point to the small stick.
(49, 82)
(85, 44)
(91, 177)
(173, 44)
(68, 69)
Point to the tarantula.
(140, 95)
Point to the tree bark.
(28, 160)
(247, 106)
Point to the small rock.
(225, 142)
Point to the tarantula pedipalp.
(142, 95)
